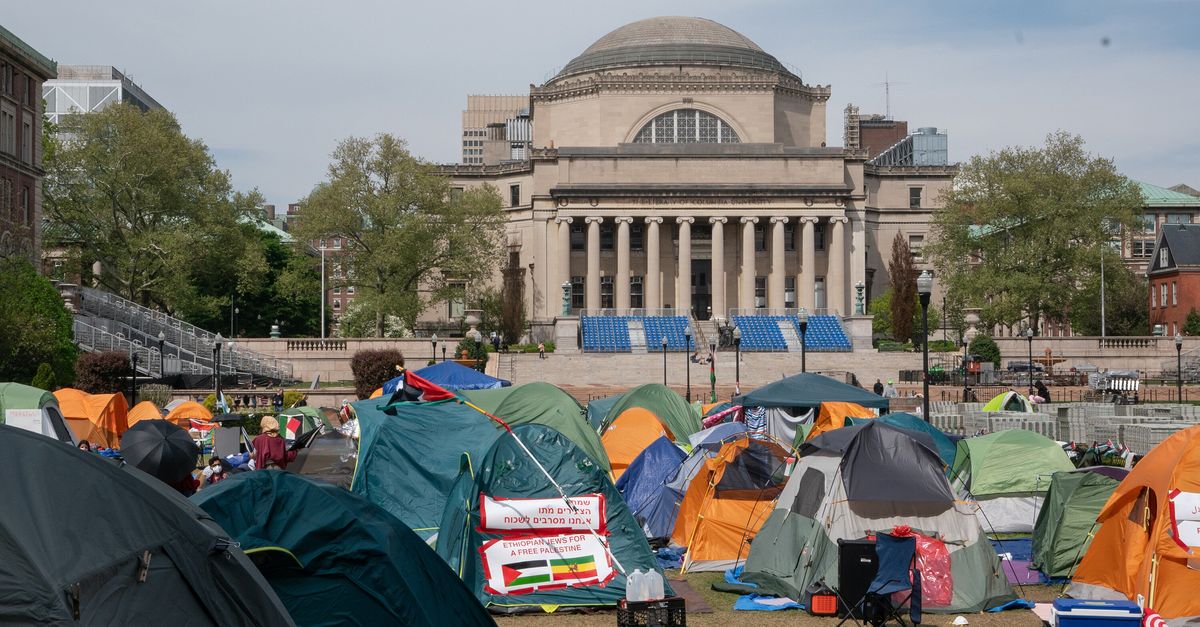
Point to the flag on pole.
(417, 388)
(221, 404)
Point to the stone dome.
(665, 41)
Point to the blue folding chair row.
(610, 334)
(761, 333)
(824, 333)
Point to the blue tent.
(453, 376)
(946, 447)
(642, 483)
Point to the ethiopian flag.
(534, 572)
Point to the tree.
(408, 236)
(372, 368)
(45, 378)
(1022, 228)
(102, 373)
(1124, 303)
(904, 287)
(881, 309)
(984, 348)
(35, 326)
(129, 190)
(1191, 325)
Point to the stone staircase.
(790, 336)
(637, 336)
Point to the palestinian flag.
(535, 572)
(413, 387)
(292, 429)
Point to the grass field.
(724, 616)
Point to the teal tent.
(334, 558)
(598, 408)
(531, 566)
(409, 454)
(808, 390)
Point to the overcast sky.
(272, 85)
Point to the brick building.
(1174, 274)
(22, 72)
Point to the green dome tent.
(89, 541)
(33, 409)
(543, 404)
(1065, 524)
(336, 559)
(597, 409)
(663, 402)
(1007, 473)
(1009, 401)
(515, 561)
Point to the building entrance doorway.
(702, 289)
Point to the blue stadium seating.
(761, 333)
(610, 334)
(670, 327)
(825, 334)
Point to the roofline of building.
(47, 67)
(119, 76)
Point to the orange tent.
(1149, 529)
(144, 410)
(727, 503)
(629, 435)
(377, 393)
(187, 411)
(97, 418)
(833, 415)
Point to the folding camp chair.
(896, 573)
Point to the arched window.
(686, 126)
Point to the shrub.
(210, 403)
(372, 368)
(475, 350)
(44, 379)
(291, 397)
(35, 326)
(156, 393)
(942, 346)
(102, 373)
(888, 346)
(984, 348)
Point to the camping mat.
(695, 603)
(733, 582)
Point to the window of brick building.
(514, 195)
(760, 292)
(789, 236)
(760, 237)
(914, 198)
(578, 237)
(635, 292)
(577, 293)
(608, 236)
(606, 292)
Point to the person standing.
(277, 400)
(541, 350)
(270, 447)
(877, 388)
(890, 390)
(1042, 391)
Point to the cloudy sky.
(272, 85)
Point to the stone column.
(835, 275)
(593, 262)
(775, 281)
(653, 287)
(806, 283)
(746, 297)
(718, 267)
(683, 281)
(622, 278)
(563, 261)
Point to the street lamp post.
(664, 349)
(433, 339)
(133, 375)
(687, 354)
(712, 369)
(966, 387)
(162, 358)
(443, 352)
(924, 289)
(1179, 367)
(322, 289)
(737, 361)
(1029, 336)
(217, 366)
(803, 315)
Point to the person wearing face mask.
(85, 446)
(215, 472)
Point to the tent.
(659, 510)
(409, 455)
(837, 414)
(166, 562)
(629, 435)
(543, 404)
(496, 536)
(455, 376)
(946, 447)
(97, 418)
(668, 406)
(307, 419)
(807, 391)
(334, 558)
(33, 409)
(144, 410)
(1068, 517)
(640, 485)
(1009, 401)
(866, 479)
(1149, 534)
(597, 409)
(727, 502)
(1007, 473)
(187, 411)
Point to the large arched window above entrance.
(686, 126)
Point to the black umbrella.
(160, 448)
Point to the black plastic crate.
(668, 612)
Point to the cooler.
(1085, 613)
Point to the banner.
(526, 565)
(1185, 518)
(27, 419)
(509, 516)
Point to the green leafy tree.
(45, 378)
(881, 308)
(1022, 228)
(35, 326)
(407, 236)
(1124, 303)
(474, 350)
(130, 190)
(903, 275)
(1191, 325)
(984, 348)
(373, 368)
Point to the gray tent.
(97, 542)
(866, 479)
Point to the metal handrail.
(633, 312)
(782, 311)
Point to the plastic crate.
(668, 612)
(1087, 613)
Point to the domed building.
(676, 165)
